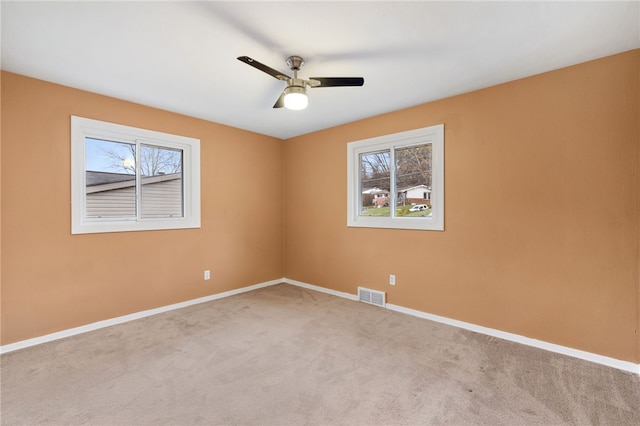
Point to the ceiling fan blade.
(262, 67)
(338, 81)
(280, 102)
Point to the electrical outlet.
(207, 274)
(392, 279)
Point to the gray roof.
(101, 178)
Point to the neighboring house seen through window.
(129, 179)
(397, 181)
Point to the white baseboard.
(126, 318)
(321, 289)
(588, 356)
(540, 344)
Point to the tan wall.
(637, 174)
(52, 280)
(542, 213)
(541, 217)
(1, 205)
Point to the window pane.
(375, 183)
(161, 185)
(415, 160)
(413, 181)
(110, 179)
(171, 170)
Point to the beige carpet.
(284, 355)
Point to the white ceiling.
(181, 56)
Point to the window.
(397, 181)
(129, 179)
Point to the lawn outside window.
(397, 180)
(129, 179)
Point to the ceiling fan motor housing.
(294, 89)
(298, 83)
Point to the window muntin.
(129, 179)
(409, 195)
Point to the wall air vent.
(372, 297)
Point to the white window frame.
(83, 128)
(433, 135)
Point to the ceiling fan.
(294, 95)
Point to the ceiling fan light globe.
(296, 101)
(295, 98)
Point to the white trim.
(540, 344)
(320, 289)
(131, 317)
